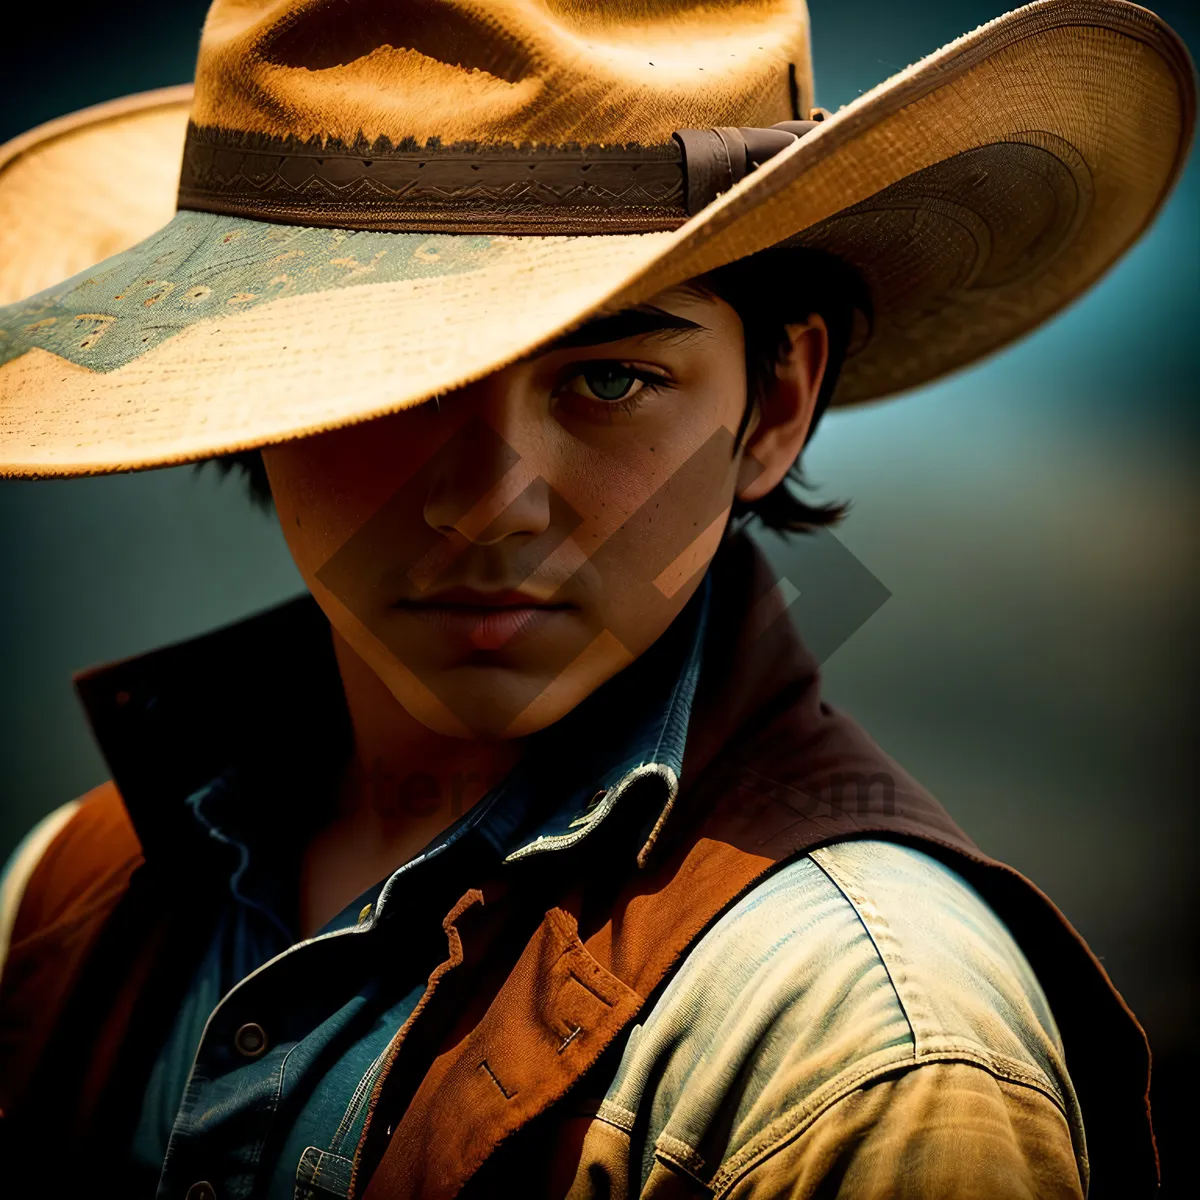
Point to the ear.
(785, 411)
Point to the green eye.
(604, 387)
(608, 381)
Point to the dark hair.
(768, 291)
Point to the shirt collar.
(632, 729)
(255, 711)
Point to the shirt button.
(250, 1040)
(201, 1191)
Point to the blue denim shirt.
(262, 1085)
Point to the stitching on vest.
(483, 1066)
(587, 987)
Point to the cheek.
(327, 486)
(671, 465)
(315, 504)
(654, 496)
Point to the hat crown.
(551, 72)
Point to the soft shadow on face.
(496, 555)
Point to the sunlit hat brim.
(978, 192)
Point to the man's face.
(497, 555)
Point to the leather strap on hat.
(715, 159)
(472, 187)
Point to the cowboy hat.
(382, 201)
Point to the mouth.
(485, 620)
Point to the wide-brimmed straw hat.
(382, 200)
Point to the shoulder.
(842, 968)
(963, 984)
(68, 861)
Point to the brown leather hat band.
(471, 188)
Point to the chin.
(484, 703)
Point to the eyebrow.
(644, 320)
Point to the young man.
(517, 857)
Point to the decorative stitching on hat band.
(464, 187)
(471, 187)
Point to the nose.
(488, 484)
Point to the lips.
(487, 620)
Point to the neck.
(405, 783)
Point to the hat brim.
(977, 192)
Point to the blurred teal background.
(1033, 519)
